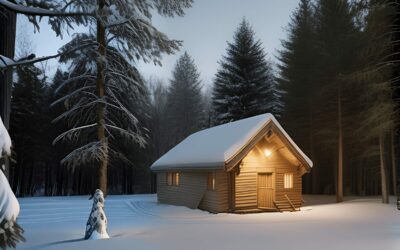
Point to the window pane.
(211, 181)
(176, 179)
(288, 180)
(169, 179)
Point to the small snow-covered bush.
(96, 226)
(10, 231)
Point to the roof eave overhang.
(238, 157)
(207, 166)
(240, 154)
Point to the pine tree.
(244, 85)
(126, 26)
(297, 81)
(29, 125)
(125, 96)
(336, 43)
(375, 75)
(185, 111)
(158, 114)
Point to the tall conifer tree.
(375, 75)
(29, 124)
(297, 81)
(244, 85)
(336, 44)
(184, 100)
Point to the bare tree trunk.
(393, 156)
(339, 191)
(31, 184)
(314, 175)
(101, 39)
(384, 189)
(359, 180)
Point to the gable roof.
(212, 148)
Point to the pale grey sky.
(205, 30)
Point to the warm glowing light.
(267, 153)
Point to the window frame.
(211, 181)
(288, 180)
(173, 179)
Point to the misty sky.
(205, 30)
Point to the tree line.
(334, 88)
(337, 72)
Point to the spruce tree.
(375, 78)
(126, 98)
(29, 124)
(297, 82)
(336, 42)
(185, 109)
(244, 85)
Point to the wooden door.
(265, 190)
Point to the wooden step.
(288, 204)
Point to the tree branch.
(5, 64)
(32, 11)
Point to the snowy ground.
(138, 222)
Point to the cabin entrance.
(265, 191)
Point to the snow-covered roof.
(212, 148)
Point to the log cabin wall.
(192, 191)
(216, 201)
(256, 162)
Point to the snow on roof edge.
(302, 154)
(204, 166)
(233, 149)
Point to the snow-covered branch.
(6, 62)
(72, 132)
(33, 11)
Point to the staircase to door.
(288, 204)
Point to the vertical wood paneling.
(265, 192)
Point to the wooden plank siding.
(192, 191)
(216, 201)
(238, 189)
(256, 162)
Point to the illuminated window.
(288, 183)
(211, 181)
(172, 179)
(176, 179)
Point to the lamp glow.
(267, 153)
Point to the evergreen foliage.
(335, 77)
(126, 102)
(244, 85)
(185, 109)
(297, 79)
(29, 125)
(375, 76)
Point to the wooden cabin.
(249, 165)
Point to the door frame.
(273, 190)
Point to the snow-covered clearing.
(138, 222)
